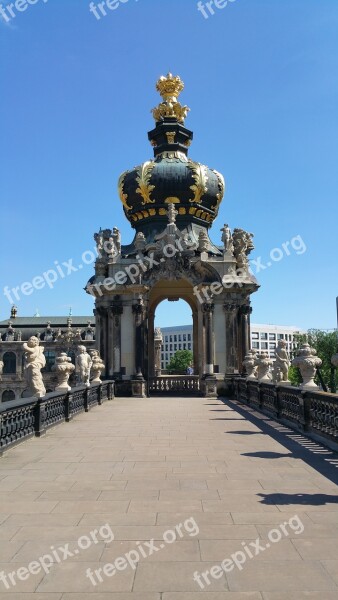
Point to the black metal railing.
(309, 411)
(174, 384)
(27, 417)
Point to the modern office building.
(264, 338)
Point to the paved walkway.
(206, 472)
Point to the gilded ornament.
(172, 200)
(171, 136)
(199, 173)
(221, 187)
(123, 196)
(170, 87)
(143, 179)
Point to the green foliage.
(326, 345)
(180, 361)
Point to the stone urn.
(97, 367)
(263, 364)
(307, 362)
(63, 368)
(334, 360)
(249, 364)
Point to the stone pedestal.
(209, 387)
(138, 388)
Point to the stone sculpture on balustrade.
(83, 365)
(35, 361)
(263, 363)
(97, 366)
(250, 366)
(280, 369)
(307, 362)
(63, 368)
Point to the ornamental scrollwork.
(221, 188)
(143, 181)
(199, 174)
(123, 196)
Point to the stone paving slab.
(214, 478)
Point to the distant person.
(190, 370)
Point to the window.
(254, 335)
(272, 345)
(50, 360)
(255, 344)
(184, 337)
(184, 346)
(280, 336)
(8, 395)
(179, 338)
(171, 338)
(264, 345)
(9, 360)
(171, 348)
(272, 336)
(189, 346)
(175, 338)
(189, 337)
(264, 336)
(180, 346)
(166, 347)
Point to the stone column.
(158, 339)
(138, 382)
(231, 348)
(244, 332)
(208, 310)
(116, 311)
(101, 313)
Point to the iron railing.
(24, 418)
(310, 411)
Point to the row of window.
(271, 336)
(180, 337)
(175, 347)
(9, 360)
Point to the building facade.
(263, 337)
(56, 335)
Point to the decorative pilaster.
(158, 339)
(116, 311)
(138, 381)
(230, 309)
(102, 338)
(208, 310)
(244, 332)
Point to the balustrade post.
(40, 418)
(85, 396)
(68, 404)
(306, 411)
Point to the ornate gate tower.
(171, 202)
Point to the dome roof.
(171, 177)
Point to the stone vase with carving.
(263, 364)
(97, 367)
(249, 364)
(307, 362)
(63, 368)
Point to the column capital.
(230, 307)
(208, 307)
(245, 309)
(116, 308)
(101, 311)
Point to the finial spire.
(170, 87)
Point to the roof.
(42, 321)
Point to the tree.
(180, 361)
(326, 345)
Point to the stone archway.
(174, 290)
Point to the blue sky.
(261, 80)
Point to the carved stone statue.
(89, 334)
(1, 368)
(35, 361)
(97, 366)
(78, 336)
(9, 337)
(140, 242)
(98, 237)
(83, 365)
(307, 362)
(48, 333)
(203, 241)
(243, 245)
(227, 239)
(281, 365)
(172, 213)
(19, 336)
(117, 240)
(249, 364)
(263, 364)
(63, 368)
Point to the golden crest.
(199, 173)
(221, 187)
(123, 196)
(170, 87)
(171, 136)
(143, 179)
